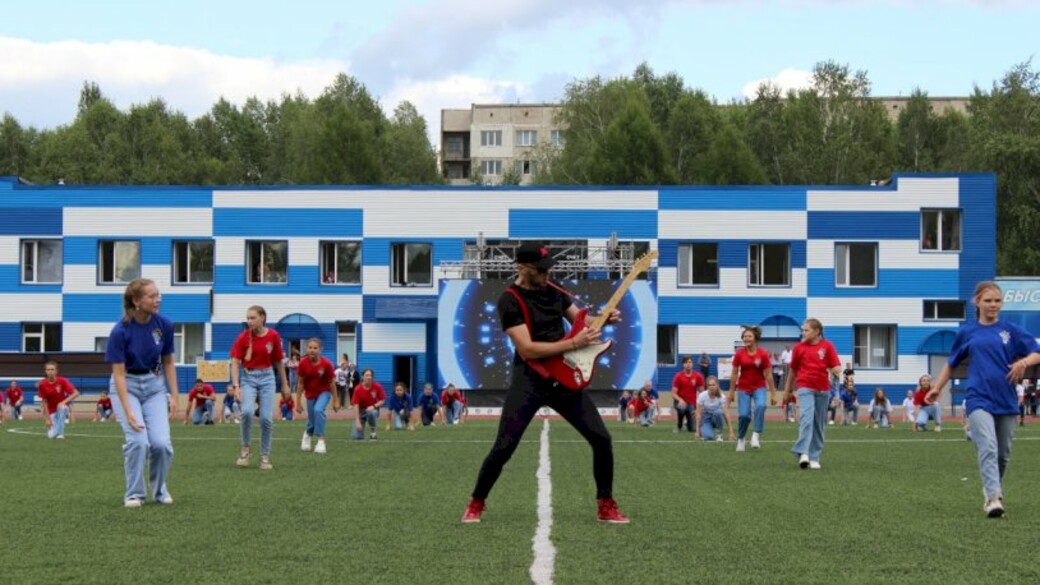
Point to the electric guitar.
(574, 369)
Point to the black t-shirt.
(546, 307)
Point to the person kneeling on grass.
(429, 405)
(103, 407)
(850, 401)
(57, 393)
(399, 409)
(368, 397)
(623, 400)
(453, 405)
(926, 411)
(711, 413)
(880, 409)
(641, 407)
(286, 404)
(200, 404)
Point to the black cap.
(536, 254)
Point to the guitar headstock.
(644, 262)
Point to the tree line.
(643, 129)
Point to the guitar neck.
(615, 300)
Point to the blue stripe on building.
(728, 310)
(376, 251)
(11, 282)
(92, 308)
(10, 336)
(31, 221)
(638, 224)
(303, 280)
(287, 223)
(737, 199)
(154, 249)
(731, 253)
(979, 224)
(892, 282)
(91, 196)
(864, 225)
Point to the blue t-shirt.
(229, 401)
(992, 349)
(396, 403)
(431, 401)
(653, 393)
(140, 347)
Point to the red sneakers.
(608, 512)
(473, 511)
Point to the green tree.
(730, 161)
(691, 128)
(410, 157)
(632, 150)
(15, 145)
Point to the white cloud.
(188, 79)
(786, 80)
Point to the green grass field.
(888, 506)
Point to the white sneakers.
(718, 439)
(305, 443)
(994, 507)
(132, 503)
(803, 461)
(165, 500)
(320, 447)
(754, 441)
(740, 445)
(814, 465)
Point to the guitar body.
(574, 369)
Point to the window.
(699, 264)
(941, 229)
(769, 265)
(491, 138)
(556, 138)
(268, 262)
(491, 168)
(189, 342)
(526, 137)
(193, 262)
(944, 310)
(341, 262)
(855, 264)
(411, 264)
(874, 346)
(41, 261)
(41, 337)
(525, 167)
(346, 341)
(667, 343)
(119, 262)
(101, 344)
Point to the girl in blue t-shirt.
(1000, 352)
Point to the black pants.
(528, 393)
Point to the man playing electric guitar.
(532, 311)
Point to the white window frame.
(491, 167)
(180, 354)
(944, 242)
(30, 261)
(490, 138)
(401, 254)
(556, 138)
(331, 266)
(262, 278)
(684, 264)
(673, 332)
(757, 264)
(101, 344)
(843, 264)
(871, 338)
(931, 313)
(526, 138)
(346, 341)
(42, 336)
(183, 249)
(111, 257)
(525, 167)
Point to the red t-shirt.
(812, 362)
(367, 397)
(447, 399)
(195, 394)
(752, 367)
(919, 396)
(267, 349)
(639, 406)
(105, 403)
(54, 392)
(687, 387)
(315, 377)
(14, 395)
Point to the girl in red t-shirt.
(752, 374)
(814, 362)
(255, 355)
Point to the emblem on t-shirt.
(1005, 336)
(758, 362)
(820, 353)
(157, 336)
(269, 346)
(321, 372)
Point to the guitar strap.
(535, 365)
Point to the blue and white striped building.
(889, 270)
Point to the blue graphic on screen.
(475, 352)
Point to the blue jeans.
(104, 413)
(744, 400)
(16, 412)
(851, 414)
(257, 383)
(150, 404)
(646, 417)
(401, 418)
(812, 408)
(880, 417)
(370, 418)
(316, 414)
(992, 435)
(711, 423)
(453, 412)
(428, 412)
(929, 411)
(686, 413)
(58, 419)
(287, 413)
(201, 414)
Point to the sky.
(454, 53)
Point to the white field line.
(544, 552)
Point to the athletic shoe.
(754, 441)
(474, 509)
(244, 457)
(265, 462)
(740, 445)
(305, 443)
(718, 439)
(60, 437)
(165, 500)
(320, 447)
(372, 437)
(830, 422)
(803, 461)
(608, 512)
(814, 465)
(938, 429)
(994, 507)
(132, 503)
